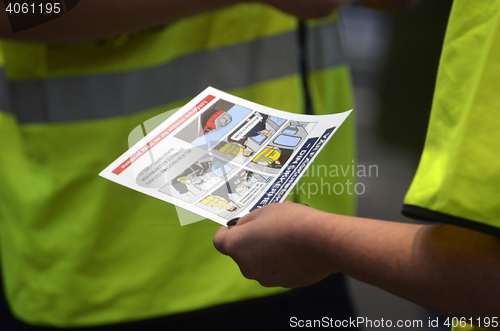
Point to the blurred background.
(394, 59)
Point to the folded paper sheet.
(221, 156)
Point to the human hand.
(278, 245)
(266, 133)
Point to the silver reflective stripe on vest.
(324, 47)
(5, 104)
(227, 68)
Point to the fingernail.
(233, 221)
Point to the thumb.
(220, 239)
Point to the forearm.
(451, 270)
(448, 269)
(97, 19)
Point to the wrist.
(335, 235)
(321, 235)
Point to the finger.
(233, 222)
(257, 213)
(220, 240)
(249, 217)
(288, 201)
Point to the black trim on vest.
(304, 67)
(424, 214)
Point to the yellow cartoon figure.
(273, 156)
(218, 203)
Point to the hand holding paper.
(278, 245)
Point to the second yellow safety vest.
(78, 250)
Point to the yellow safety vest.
(458, 179)
(78, 250)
